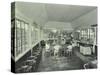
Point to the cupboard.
(88, 39)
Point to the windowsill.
(22, 54)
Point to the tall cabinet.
(88, 40)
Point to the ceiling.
(66, 13)
(53, 12)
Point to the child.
(56, 49)
(69, 49)
(47, 49)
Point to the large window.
(26, 36)
(21, 36)
(88, 34)
(18, 37)
(32, 35)
(36, 34)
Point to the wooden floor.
(52, 63)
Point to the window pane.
(18, 37)
(22, 36)
(26, 36)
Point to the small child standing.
(69, 49)
(56, 50)
(47, 49)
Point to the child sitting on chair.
(69, 49)
(47, 49)
(56, 50)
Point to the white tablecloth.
(85, 50)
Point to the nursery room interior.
(53, 37)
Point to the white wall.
(86, 20)
(58, 25)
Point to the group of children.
(58, 47)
